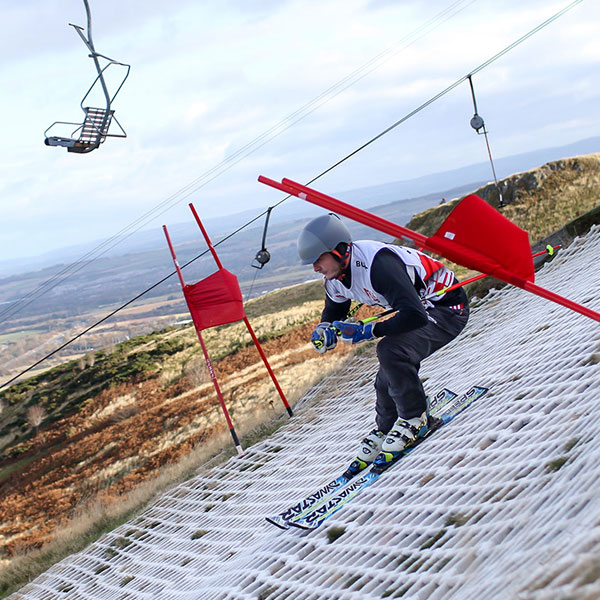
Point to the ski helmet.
(320, 235)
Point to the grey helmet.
(321, 235)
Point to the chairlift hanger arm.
(469, 77)
(263, 256)
(89, 43)
(477, 121)
(478, 124)
(264, 238)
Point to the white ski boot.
(370, 447)
(403, 434)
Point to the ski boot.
(402, 436)
(369, 449)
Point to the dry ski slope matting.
(504, 502)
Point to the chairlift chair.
(87, 136)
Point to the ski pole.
(350, 314)
(548, 250)
(353, 310)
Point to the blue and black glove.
(353, 332)
(323, 338)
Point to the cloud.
(211, 81)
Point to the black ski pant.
(399, 390)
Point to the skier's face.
(327, 266)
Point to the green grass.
(198, 534)
(457, 519)
(65, 387)
(571, 444)
(433, 539)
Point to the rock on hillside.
(539, 201)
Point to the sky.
(222, 91)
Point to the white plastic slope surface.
(504, 502)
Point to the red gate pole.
(213, 377)
(432, 243)
(268, 366)
(175, 261)
(208, 242)
(347, 210)
(250, 330)
(211, 371)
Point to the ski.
(441, 399)
(308, 504)
(320, 497)
(337, 500)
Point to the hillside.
(540, 200)
(97, 289)
(553, 203)
(500, 504)
(116, 420)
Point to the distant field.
(17, 335)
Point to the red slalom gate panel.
(473, 235)
(216, 300)
(474, 226)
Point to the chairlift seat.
(94, 129)
(92, 132)
(95, 124)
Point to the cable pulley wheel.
(262, 257)
(477, 122)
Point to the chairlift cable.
(249, 296)
(245, 150)
(473, 94)
(348, 156)
(135, 298)
(452, 86)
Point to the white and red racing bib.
(434, 275)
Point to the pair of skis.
(318, 506)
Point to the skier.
(390, 276)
